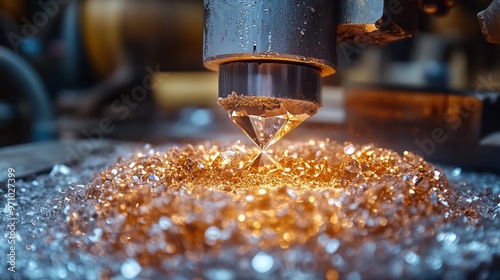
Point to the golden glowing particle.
(332, 274)
(287, 236)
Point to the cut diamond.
(265, 127)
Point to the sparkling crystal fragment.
(130, 269)
(165, 223)
(219, 274)
(397, 217)
(349, 149)
(262, 262)
(225, 157)
(60, 169)
(212, 234)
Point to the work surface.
(45, 246)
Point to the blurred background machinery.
(132, 70)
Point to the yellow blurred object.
(176, 90)
(147, 32)
(102, 34)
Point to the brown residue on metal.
(234, 101)
(368, 33)
(489, 20)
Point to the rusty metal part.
(376, 21)
(489, 20)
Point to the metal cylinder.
(301, 32)
(270, 79)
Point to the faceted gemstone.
(265, 127)
(224, 158)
